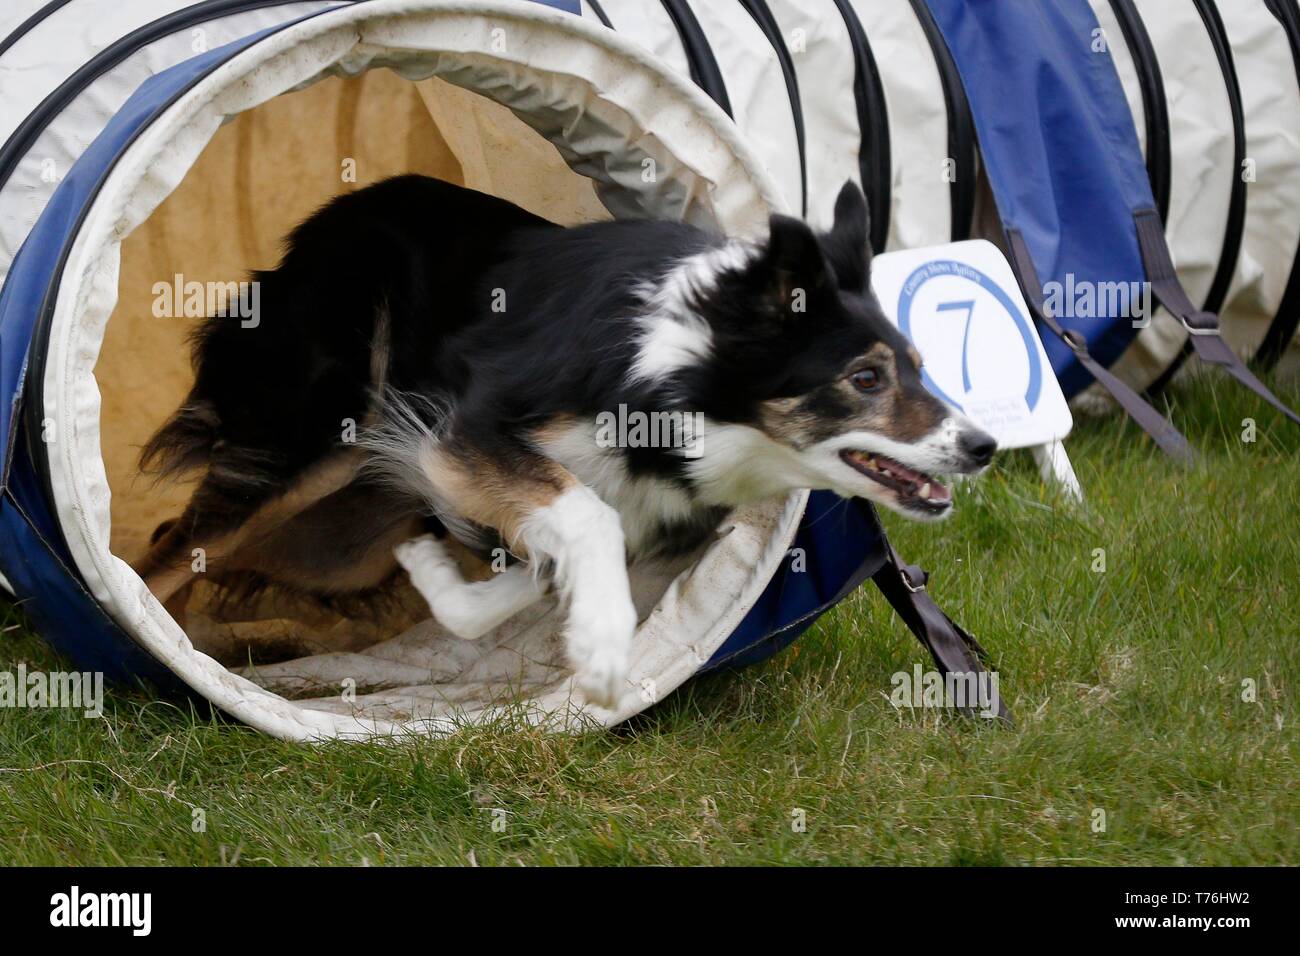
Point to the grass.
(1127, 686)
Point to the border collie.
(478, 352)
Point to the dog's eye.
(865, 380)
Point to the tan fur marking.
(556, 430)
(786, 420)
(880, 352)
(380, 349)
(497, 494)
(327, 476)
(902, 419)
(887, 411)
(472, 568)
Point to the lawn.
(1138, 741)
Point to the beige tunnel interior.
(264, 172)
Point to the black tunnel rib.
(30, 23)
(699, 55)
(1155, 107)
(758, 9)
(873, 124)
(1283, 327)
(1236, 221)
(961, 126)
(599, 11)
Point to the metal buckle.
(907, 581)
(1075, 341)
(1197, 330)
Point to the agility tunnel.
(153, 145)
(1214, 92)
(153, 151)
(1090, 214)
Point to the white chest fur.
(644, 504)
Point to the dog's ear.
(793, 265)
(848, 244)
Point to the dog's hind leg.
(216, 523)
(177, 603)
(469, 609)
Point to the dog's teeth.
(925, 491)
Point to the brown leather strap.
(954, 650)
(1203, 327)
(1166, 436)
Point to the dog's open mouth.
(915, 489)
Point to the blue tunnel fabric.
(53, 597)
(35, 558)
(837, 547)
(838, 544)
(1065, 164)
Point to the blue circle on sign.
(949, 267)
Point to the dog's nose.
(979, 446)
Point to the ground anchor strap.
(953, 648)
(1203, 327)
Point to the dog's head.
(805, 355)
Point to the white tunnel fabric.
(751, 70)
(55, 47)
(561, 74)
(921, 187)
(14, 13)
(819, 47)
(646, 22)
(1271, 104)
(760, 101)
(815, 31)
(24, 195)
(1202, 168)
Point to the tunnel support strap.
(1201, 326)
(1166, 436)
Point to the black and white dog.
(478, 352)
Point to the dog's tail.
(184, 442)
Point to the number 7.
(969, 307)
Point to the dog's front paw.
(602, 677)
(599, 647)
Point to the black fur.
(270, 401)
